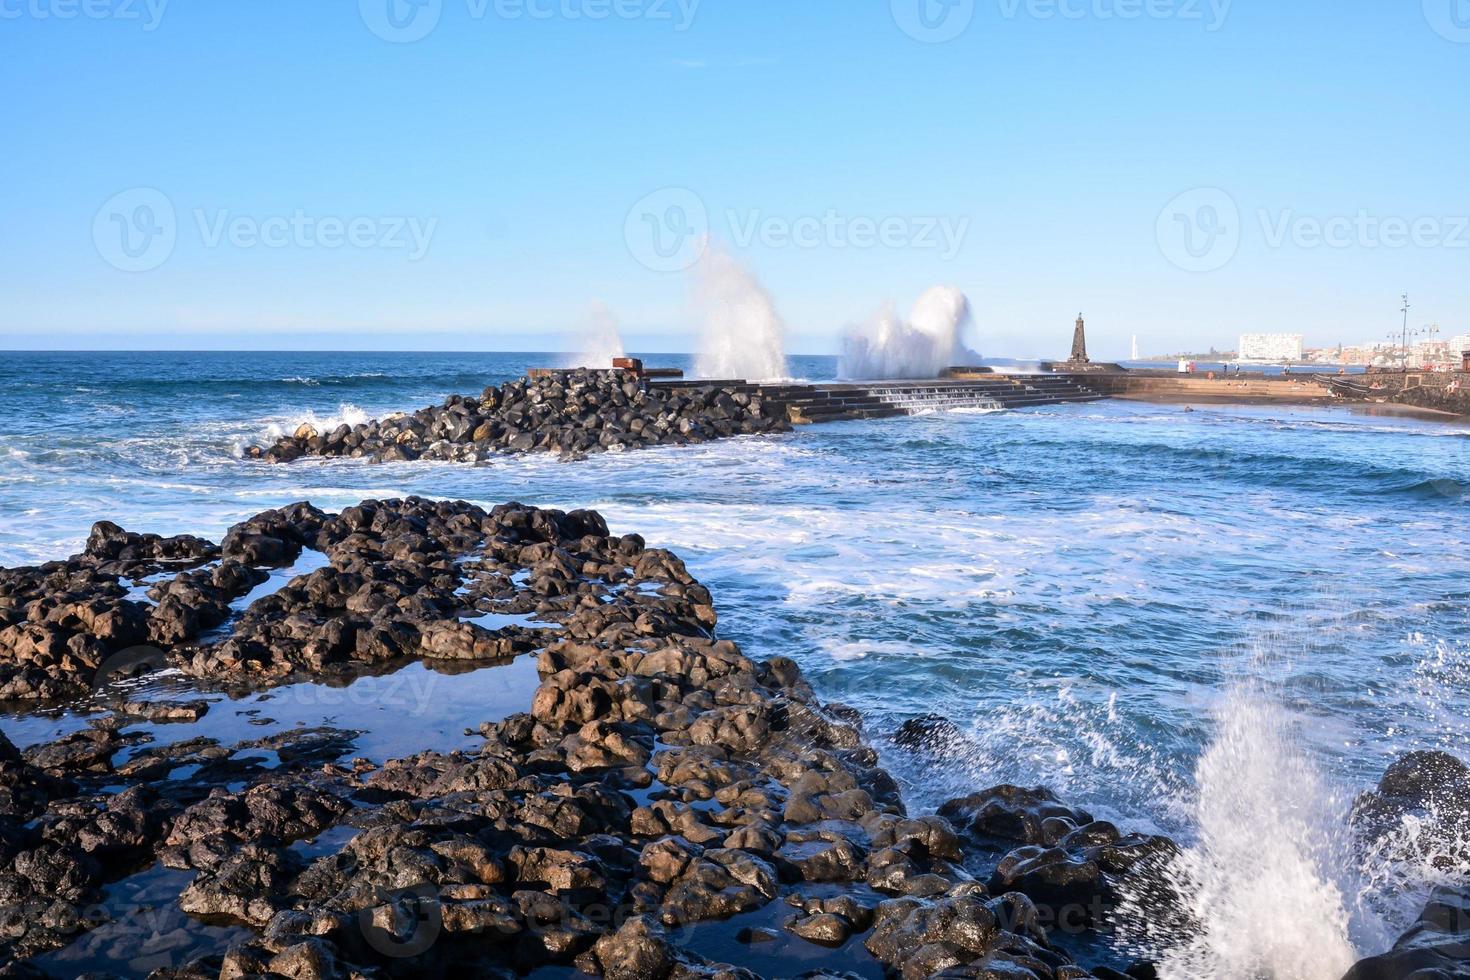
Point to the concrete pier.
(1221, 390)
(807, 404)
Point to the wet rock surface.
(1437, 947)
(572, 413)
(1431, 789)
(1068, 861)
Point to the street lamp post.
(1405, 345)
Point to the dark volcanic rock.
(1032, 816)
(929, 733)
(658, 781)
(1436, 948)
(1418, 783)
(1070, 863)
(573, 413)
(1433, 790)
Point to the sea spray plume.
(743, 335)
(921, 347)
(600, 341)
(1260, 884)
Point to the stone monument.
(1079, 343)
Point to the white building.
(1274, 347)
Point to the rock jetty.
(572, 413)
(663, 807)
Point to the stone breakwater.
(664, 807)
(572, 413)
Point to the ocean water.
(1096, 594)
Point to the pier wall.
(1439, 391)
(1221, 389)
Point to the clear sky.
(475, 174)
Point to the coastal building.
(1270, 347)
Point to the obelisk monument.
(1079, 343)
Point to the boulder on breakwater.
(572, 413)
(1436, 947)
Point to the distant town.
(1421, 349)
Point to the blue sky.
(287, 174)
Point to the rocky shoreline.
(661, 806)
(572, 413)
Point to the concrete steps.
(838, 401)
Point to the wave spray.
(920, 347)
(743, 336)
(1260, 881)
(600, 341)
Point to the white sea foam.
(861, 649)
(274, 429)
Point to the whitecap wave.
(275, 429)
